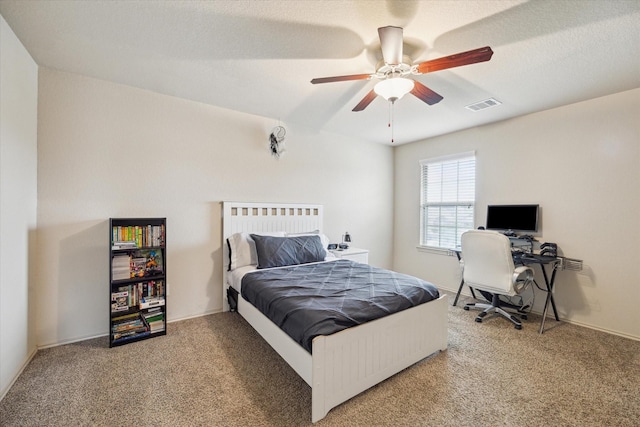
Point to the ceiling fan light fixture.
(394, 88)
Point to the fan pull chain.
(390, 123)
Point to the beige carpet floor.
(216, 371)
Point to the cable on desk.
(538, 286)
(524, 306)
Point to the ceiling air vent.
(483, 105)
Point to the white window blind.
(448, 199)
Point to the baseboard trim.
(90, 337)
(4, 392)
(17, 375)
(195, 316)
(70, 341)
(466, 293)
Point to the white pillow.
(242, 248)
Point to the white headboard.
(252, 217)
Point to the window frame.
(464, 198)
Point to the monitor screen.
(513, 218)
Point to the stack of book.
(137, 236)
(155, 320)
(128, 327)
(152, 288)
(124, 245)
(121, 267)
(148, 302)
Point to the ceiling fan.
(394, 69)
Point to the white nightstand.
(353, 254)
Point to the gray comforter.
(320, 299)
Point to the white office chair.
(488, 266)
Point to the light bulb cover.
(394, 88)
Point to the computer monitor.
(520, 218)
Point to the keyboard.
(542, 259)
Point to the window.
(448, 199)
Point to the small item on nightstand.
(332, 246)
(346, 237)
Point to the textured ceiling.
(258, 57)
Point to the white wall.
(107, 150)
(18, 202)
(581, 164)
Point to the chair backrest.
(488, 262)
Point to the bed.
(345, 363)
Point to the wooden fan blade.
(365, 101)
(463, 58)
(341, 78)
(425, 94)
(391, 44)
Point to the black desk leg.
(550, 287)
(553, 301)
(549, 295)
(455, 301)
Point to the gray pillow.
(281, 251)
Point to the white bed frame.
(348, 362)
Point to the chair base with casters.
(495, 307)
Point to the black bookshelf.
(137, 279)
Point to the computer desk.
(554, 264)
(545, 262)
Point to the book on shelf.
(142, 295)
(128, 324)
(129, 327)
(156, 318)
(120, 267)
(156, 327)
(156, 324)
(120, 274)
(125, 317)
(153, 288)
(133, 291)
(153, 313)
(152, 316)
(121, 338)
(137, 236)
(151, 302)
(124, 245)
